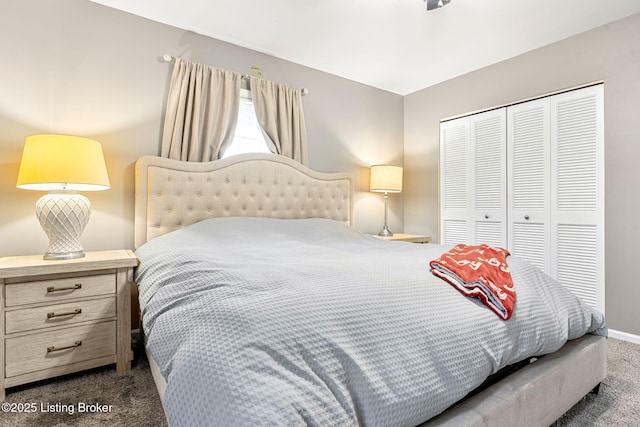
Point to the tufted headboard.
(171, 194)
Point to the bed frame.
(171, 194)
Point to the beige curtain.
(279, 112)
(202, 112)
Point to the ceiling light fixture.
(434, 4)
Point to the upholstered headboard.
(171, 194)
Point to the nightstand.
(413, 238)
(59, 317)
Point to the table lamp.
(62, 165)
(385, 179)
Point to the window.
(248, 137)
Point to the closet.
(530, 177)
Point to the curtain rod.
(168, 58)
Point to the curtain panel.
(202, 112)
(280, 115)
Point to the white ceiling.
(395, 45)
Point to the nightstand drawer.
(53, 290)
(45, 350)
(59, 314)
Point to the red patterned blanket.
(479, 271)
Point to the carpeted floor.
(134, 401)
(618, 403)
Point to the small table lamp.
(385, 179)
(62, 165)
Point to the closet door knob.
(486, 216)
(526, 217)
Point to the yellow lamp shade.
(62, 162)
(386, 179)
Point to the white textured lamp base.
(63, 215)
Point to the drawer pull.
(52, 348)
(53, 314)
(70, 288)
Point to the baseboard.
(624, 336)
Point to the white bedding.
(257, 321)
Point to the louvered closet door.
(577, 192)
(528, 177)
(454, 163)
(488, 178)
(473, 179)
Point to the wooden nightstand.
(413, 238)
(59, 317)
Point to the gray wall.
(76, 67)
(610, 54)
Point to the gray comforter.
(257, 321)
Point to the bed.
(262, 305)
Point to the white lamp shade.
(62, 162)
(386, 179)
